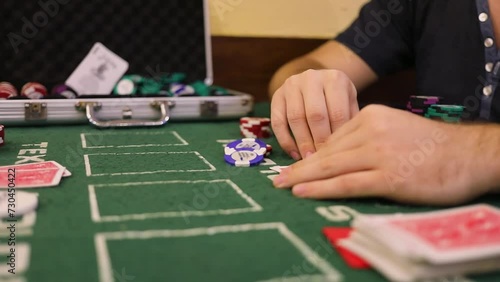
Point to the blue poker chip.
(244, 157)
(254, 144)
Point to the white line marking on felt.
(267, 162)
(89, 171)
(337, 213)
(104, 261)
(184, 142)
(268, 171)
(96, 215)
(83, 137)
(94, 206)
(84, 140)
(308, 278)
(309, 254)
(23, 257)
(226, 141)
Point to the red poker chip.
(2, 135)
(7, 90)
(255, 121)
(34, 90)
(255, 127)
(269, 149)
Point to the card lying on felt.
(334, 235)
(35, 175)
(429, 245)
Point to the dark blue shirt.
(450, 43)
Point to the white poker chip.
(178, 89)
(125, 87)
(21, 204)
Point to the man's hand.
(312, 105)
(393, 154)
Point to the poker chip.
(420, 104)
(244, 158)
(245, 152)
(63, 91)
(128, 85)
(7, 90)
(2, 135)
(34, 90)
(179, 90)
(248, 143)
(151, 86)
(201, 89)
(255, 127)
(269, 150)
(219, 91)
(25, 203)
(446, 113)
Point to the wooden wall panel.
(247, 64)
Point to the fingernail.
(295, 156)
(308, 154)
(279, 181)
(299, 190)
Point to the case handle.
(162, 106)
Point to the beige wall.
(282, 18)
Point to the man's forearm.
(294, 67)
(486, 154)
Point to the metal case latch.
(209, 109)
(35, 111)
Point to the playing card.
(33, 178)
(401, 269)
(22, 204)
(34, 175)
(334, 235)
(41, 165)
(98, 73)
(449, 236)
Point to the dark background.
(155, 37)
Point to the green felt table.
(162, 205)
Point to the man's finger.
(338, 104)
(319, 166)
(316, 112)
(279, 123)
(297, 121)
(369, 183)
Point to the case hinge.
(209, 109)
(35, 111)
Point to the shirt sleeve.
(382, 35)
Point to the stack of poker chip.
(128, 85)
(246, 152)
(419, 104)
(254, 127)
(181, 90)
(151, 86)
(7, 90)
(63, 91)
(2, 135)
(34, 90)
(446, 113)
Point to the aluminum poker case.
(44, 41)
